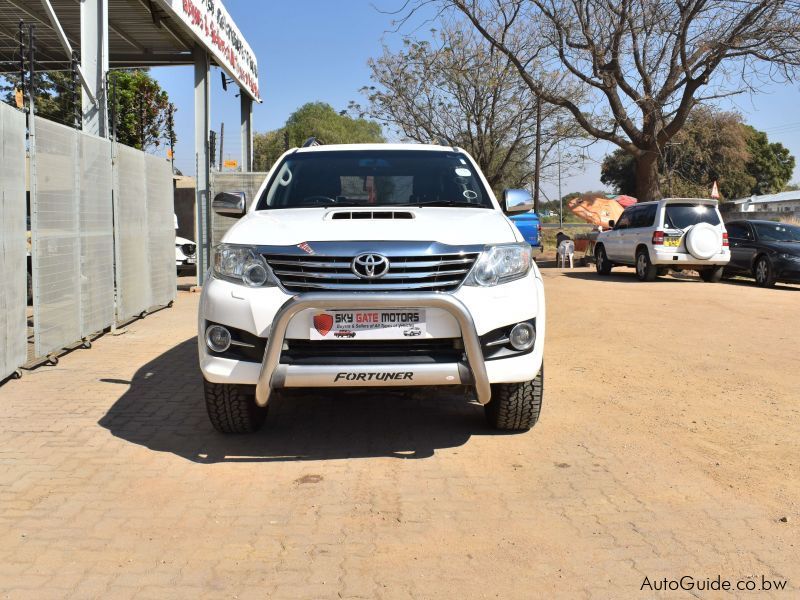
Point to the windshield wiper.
(447, 203)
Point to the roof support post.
(94, 65)
(246, 104)
(202, 110)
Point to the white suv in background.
(678, 233)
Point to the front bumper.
(467, 313)
(787, 270)
(271, 377)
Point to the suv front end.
(390, 310)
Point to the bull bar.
(270, 378)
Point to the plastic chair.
(566, 249)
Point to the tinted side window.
(644, 216)
(625, 219)
(738, 231)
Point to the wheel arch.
(756, 257)
(641, 246)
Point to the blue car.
(530, 227)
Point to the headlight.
(242, 264)
(500, 264)
(791, 257)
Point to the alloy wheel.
(761, 271)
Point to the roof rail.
(312, 141)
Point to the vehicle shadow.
(163, 410)
(629, 276)
(742, 282)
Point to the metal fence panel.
(130, 219)
(97, 237)
(13, 335)
(249, 183)
(55, 233)
(161, 230)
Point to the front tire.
(601, 262)
(763, 272)
(645, 270)
(233, 408)
(712, 274)
(516, 406)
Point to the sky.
(317, 50)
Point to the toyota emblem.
(370, 266)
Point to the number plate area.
(392, 324)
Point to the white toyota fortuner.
(372, 265)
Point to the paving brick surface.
(668, 446)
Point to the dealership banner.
(214, 28)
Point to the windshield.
(777, 232)
(373, 178)
(681, 216)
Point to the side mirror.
(611, 223)
(230, 204)
(515, 201)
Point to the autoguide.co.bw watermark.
(689, 583)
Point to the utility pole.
(538, 159)
(560, 197)
(221, 142)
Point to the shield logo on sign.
(323, 323)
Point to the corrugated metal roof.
(140, 34)
(766, 198)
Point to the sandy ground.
(669, 446)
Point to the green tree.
(140, 108)
(619, 171)
(267, 147)
(53, 94)
(315, 119)
(771, 164)
(713, 146)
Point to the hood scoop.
(371, 214)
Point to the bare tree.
(643, 64)
(460, 90)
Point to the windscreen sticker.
(470, 194)
(461, 171)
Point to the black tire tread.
(232, 408)
(771, 280)
(652, 271)
(711, 274)
(516, 406)
(606, 266)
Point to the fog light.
(218, 338)
(522, 336)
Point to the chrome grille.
(436, 273)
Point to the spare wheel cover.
(703, 241)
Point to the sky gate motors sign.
(213, 26)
